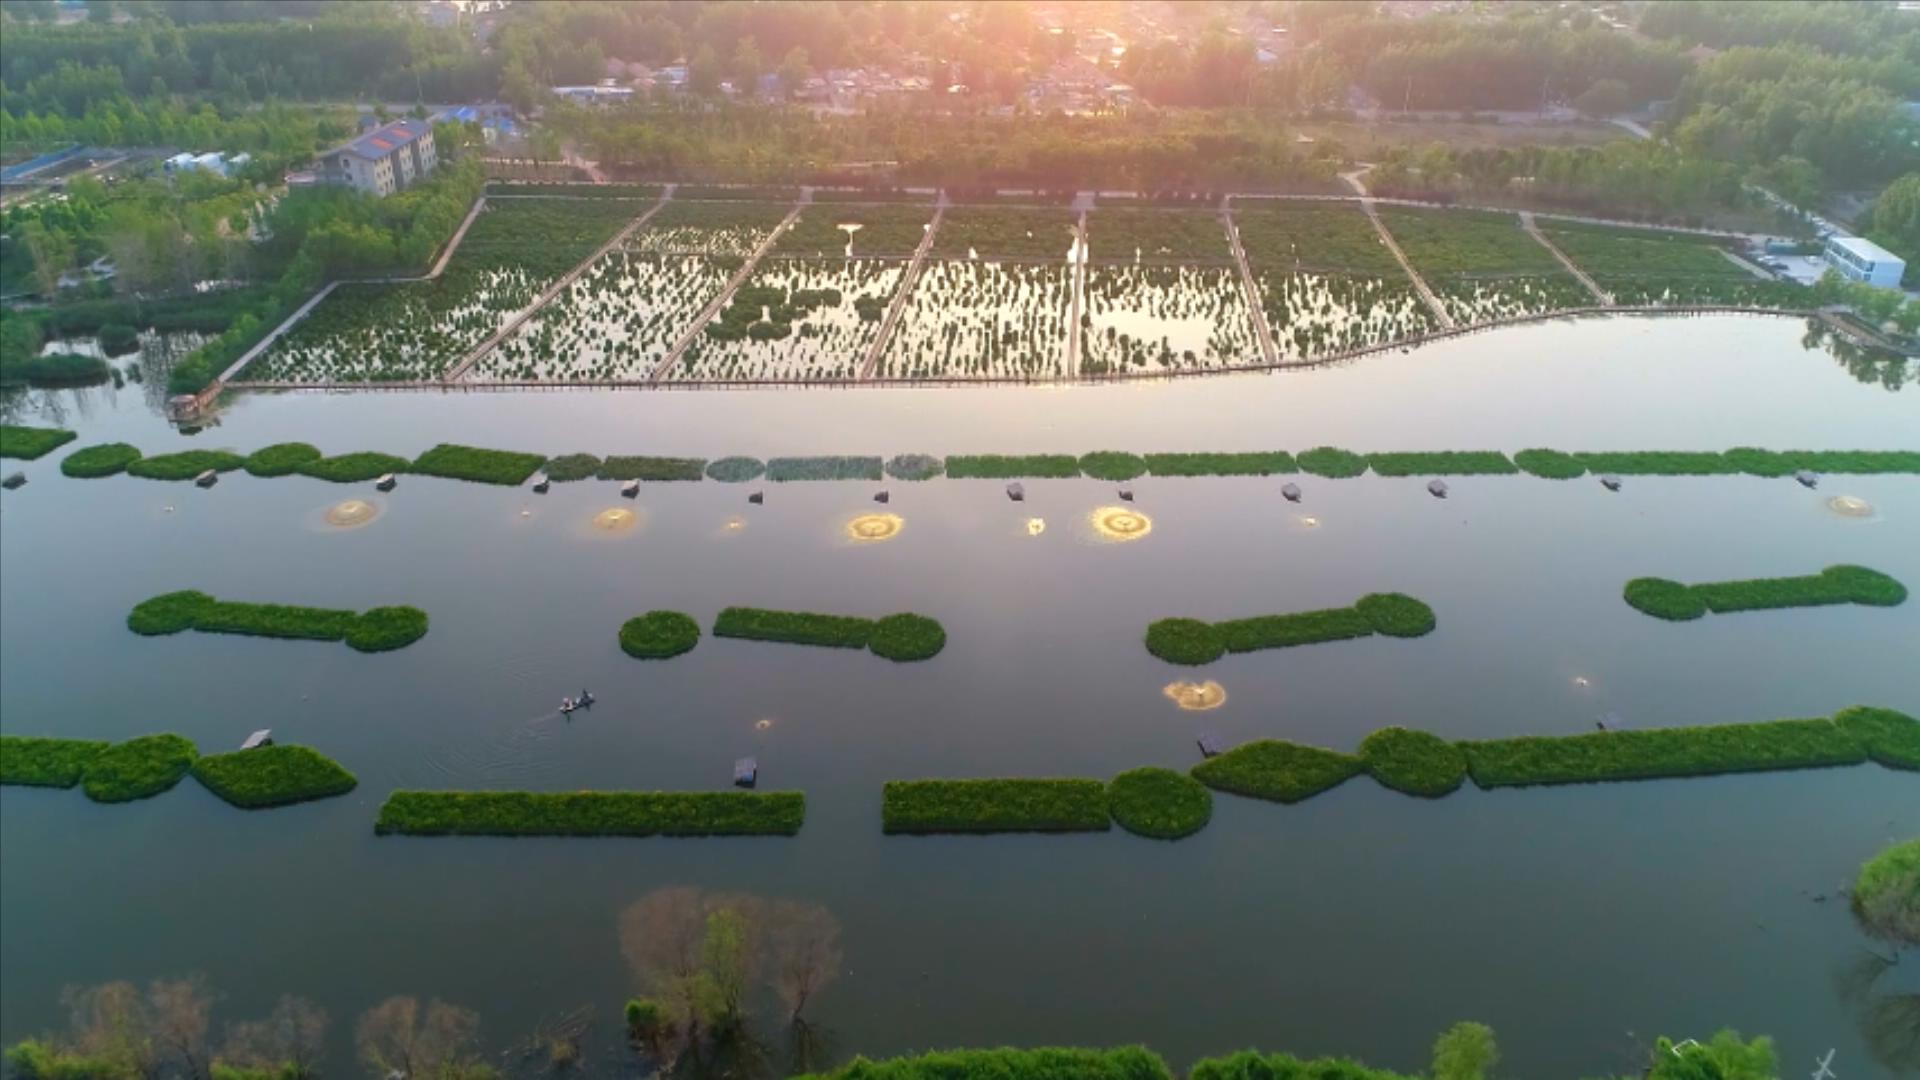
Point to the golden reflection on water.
(615, 519)
(1036, 526)
(1849, 506)
(1118, 525)
(873, 528)
(350, 514)
(1196, 697)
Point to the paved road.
(699, 325)
(1268, 351)
(1533, 230)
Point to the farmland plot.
(795, 319)
(709, 228)
(979, 319)
(1319, 315)
(1153, 318)
(1015, 232)
(1310, 236)
(1483, 266)
(828, 231)
(1129, 235)
(1647, 267)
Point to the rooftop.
(385, 139)
(1864, 248)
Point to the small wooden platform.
(746, 772)
(1211, 745)
(263, 737)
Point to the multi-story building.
(387, 159)
(1864, 260)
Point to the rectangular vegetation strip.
(480, 466)
(374, 630)
(793, 627)
(592, 813)
(1052, 1063)
(1662, 752)
(184, 465)
(1297, 628)
(31, 442)
(1658, 462)
(1840, 584)
(1012, 466)
(823, 468)
(273, 776)
(1256, 463)
(988, 806)
(632, 467)
(42, 762)
(1442, 463)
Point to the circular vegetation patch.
(907, 637)
(1185, 641)
(281, 459)
(105, 459)
(385, 628)
(658, 635)
(1550, 464)
(1396, 614)
(570, 467)
(169, 613)
(1865, 586)
(736, 470)
(138, 768)
(915, 466)
(1160, 803)
(1416, 762)
(1112, 465)
(1332, 462)
(1664, 599)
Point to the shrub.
(570, 467)
(1890, 738)
(592, 813)
(793, 627)
(1396, 614)
(355, 468)
(631, 467)
(168, 613)
(781, 470)
(906, 637)
(1443, 463)
(1185, 641)
(736, 470)
(1257, 463)
(1042, 1063)
(384, 629)
(1112, 465)
(118, 339)
(1886, 895)
(1012, 467)
(1332, 463)
(138, 768)
(185, 464)
(45, 762)
(1159, 803)
(915, 466)
(101, 459)
(659, 634)
(480, 466)
(281, 459)
(376, 630)
(272, 776)
(1415, 762)
(1664, 599)
(985, 806)
(1661, 752)
(1550, 464)
(31, 442)
(1276, 769)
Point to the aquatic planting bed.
(409, 331)
(101, 459)
(184, 464)
(981, 319)
(28, 443)
(827, 232)
(1646, 267)
(1193, 642)
(1011, 466)
(1148, 236)
(380, 629)
(1314, 237)
(1159, 317)
(708, 228)
(1159, 803)
(1313, 316)
(1840, 584)
(137, 768)
(615, 323)
(990, 232)
(272, 776)
(903, 637)
(44, 762)
(658, 635)
(1483, 266)
(991, 806)
(782, 470)
(1889, 738)
(794, 319)
(591, 813)
(477, 465)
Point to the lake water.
(1578, 921)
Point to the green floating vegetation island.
(1841, 584)
(592, 813)
(151, 764)
(184, 465)
(479, 466)
(1152, 802)
(1193, 642)
(658, 635)
(902, 637)
(375, 630)
(787, 469)
(31, 442)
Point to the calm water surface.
(1575, 921)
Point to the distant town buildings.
(215, 163)
(604, 92)
(1863, 260)
(390, 158)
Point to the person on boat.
(566, 704)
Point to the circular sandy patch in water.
(873, 528)
(1118, 525)
(615, 520)
(351, 514)
(1850, 506)
(1196, 696)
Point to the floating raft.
(541, 483)
(881, 496)
(1290, 492)
(746, 772)
(1437, 488)
(1016, 492)
(206, 479)
(631, 489)
(263, 737)
(13, 480)
(386, 482)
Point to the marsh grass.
(785, 469)
(1112, 465)
(1012, 466)
(28, 443)
(568, 468)
(1442, 463)
(356, 468)
(1332, 462)
(375, 630)
(281, 459)
(1191, 641)
(658, 635)
(1653, 753)
(455, 462)
(1889, 737)
(1258, 463)
(1414, 762)
(642, 467)
(1840, 584)
(915, 467)
(736, 470)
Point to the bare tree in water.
(288, 1042)
(803, 952)
(397, 1036)
(111, 1023)
(660, 936)
(182, 1011)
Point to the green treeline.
(378, 629)
(591, 813)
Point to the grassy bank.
(1193, 642)
(991, 806)
(273, 776)
(39, 762)
(1840, 584)
(591, 813)
(376, 630)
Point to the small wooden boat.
(1437, 488)
(206, 479)
(630, 489)
(1210, 744)
(1290, 492)
(263, 737)
(567, 705)
(1016, 492)
(757, 498)
(1808, 478)
(1610, 482)
(385, 482)
(746, 772)
(13, 480)
(881, 496)
(1126, 494)
(541, 483)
